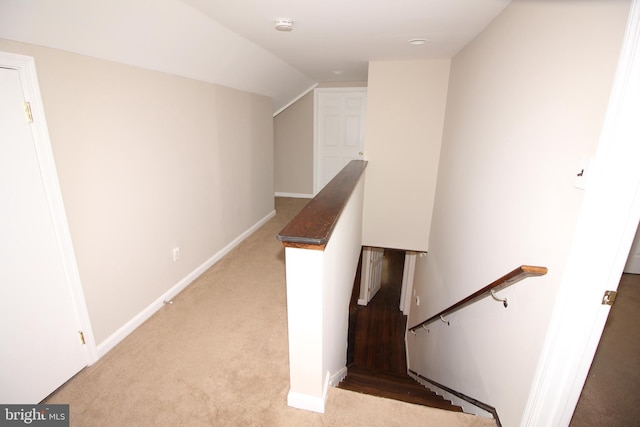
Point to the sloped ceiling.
(234, 43)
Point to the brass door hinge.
(82, 337)
(609, 297)
(27, 112)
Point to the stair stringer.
(468, 406)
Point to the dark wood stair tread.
(376, 357)
(393, 386)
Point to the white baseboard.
(294, 195)
(467, 407)
(316, 403)
(337, 377)
(306, 402)
(115, 338)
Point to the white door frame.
(604, 232)
(633, 261)
(408, 273)
(25, 66)
(371, 276)
(316, 157)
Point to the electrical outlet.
(176, 253)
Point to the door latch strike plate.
(609, 297)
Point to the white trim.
(114, 339)
(407, 282)
(336, 378)
(467, 407)
(25, 66)
(294, 195)
(406, 296)
(295, 99)
(604, 233)
(306, 402)
(343, 89)
(365, 275)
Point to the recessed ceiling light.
(284, 24)
(418, 42)
(338, 72)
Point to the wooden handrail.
(312, 227)
(505, 281)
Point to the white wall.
(319, 286)
(163, 35)
(293, 148)
(405, 115)
(606, 226)
(526, 104)
(148, 161)
(341, 261)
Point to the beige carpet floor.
(218, 356)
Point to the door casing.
(25, 66)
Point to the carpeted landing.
(218, 356)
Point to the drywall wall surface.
(526, 104)
(166, 35)
(293, 148)
(405, 115)
(148, 162)
(319, 285)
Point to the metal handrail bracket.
(505, 281)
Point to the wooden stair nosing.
(374, 376)
(406, 381)
(403, 388)
(393, 386)
(417, 400)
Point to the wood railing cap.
(312, 227)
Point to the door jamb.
(407, 281)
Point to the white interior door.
(339, 131)
(39, 324)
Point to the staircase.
(376, 359)
(393, 386)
